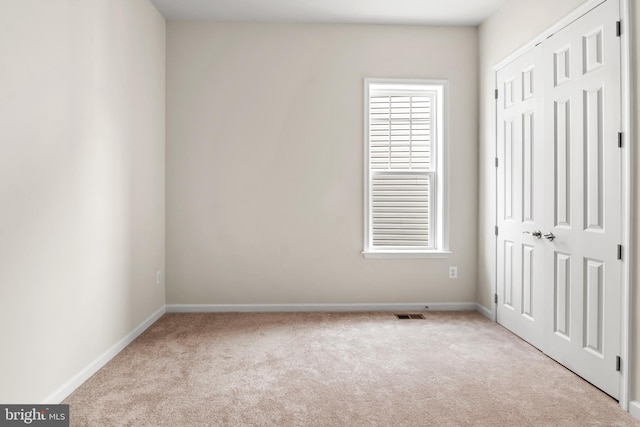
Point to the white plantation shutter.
(400, 209)
(402, 168)
(400, 132)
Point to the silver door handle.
(537, 234)
(549, 236)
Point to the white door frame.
(627, 183)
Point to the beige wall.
(81, 184)
(522, 20)
(265, 167)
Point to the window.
(405, 131)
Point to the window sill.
(405, 254)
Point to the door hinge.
(618, 28)
(619, 139)
(495, 298)
(496, 162)
(495, 93)
(619, 255)
(495, 230)
(618, 364)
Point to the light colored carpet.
(336, 369)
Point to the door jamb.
(627, 128)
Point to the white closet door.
(560, 173)
(520, 214)
(583, 196)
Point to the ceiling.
(399, 12)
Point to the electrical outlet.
(453, 272)
(158, 277)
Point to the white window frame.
(440, 248)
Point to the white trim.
(568, 19)
(69, 387)
(365, 158)
(484, 311)
(634, 409)
(494, 129)
(441, 150)
(270, 308)
(627, 128)
(406, 254)
(77, 380)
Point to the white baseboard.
(67, 388)
(484, 311)
(634, 409)
(249, 308)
